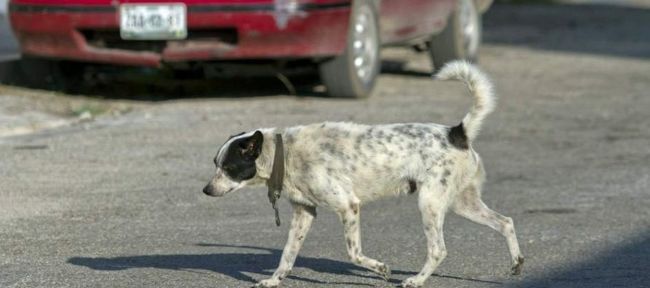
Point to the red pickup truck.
(342, 37)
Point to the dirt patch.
(24, 111)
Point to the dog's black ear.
(251, 147)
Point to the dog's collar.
(277, 176)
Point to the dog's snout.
(207, 190)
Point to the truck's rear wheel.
(353, 74)
(460, 39)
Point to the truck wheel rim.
(469, 26)
(364, 44)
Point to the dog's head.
(235, 163)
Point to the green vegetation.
(93, 110)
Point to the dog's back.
(372, 161)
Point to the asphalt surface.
(117, 202)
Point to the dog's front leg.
(302, 218)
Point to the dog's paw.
(267, 283)
(384, 271)
(518, 264)
(412, 282)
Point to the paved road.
(118, 203)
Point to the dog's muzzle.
(209, 190)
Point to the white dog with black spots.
(342, 166)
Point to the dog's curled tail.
(484, 100)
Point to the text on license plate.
(153, 21)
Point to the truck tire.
(460, 39)
(353, 74)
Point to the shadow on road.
(398, 67)
(625, 266)
(236, 264)
(589, 28)
(231, 264)
(148, 84)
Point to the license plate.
(153, 21)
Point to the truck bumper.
(215, 32)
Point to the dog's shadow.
(234, 265)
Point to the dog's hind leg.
(349, 215)
(469, 205)
(300, 224)
(433, 208)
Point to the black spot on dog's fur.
(405, 130)
(445, 175)
(457, 137)
(328, 148)
(413, 186)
